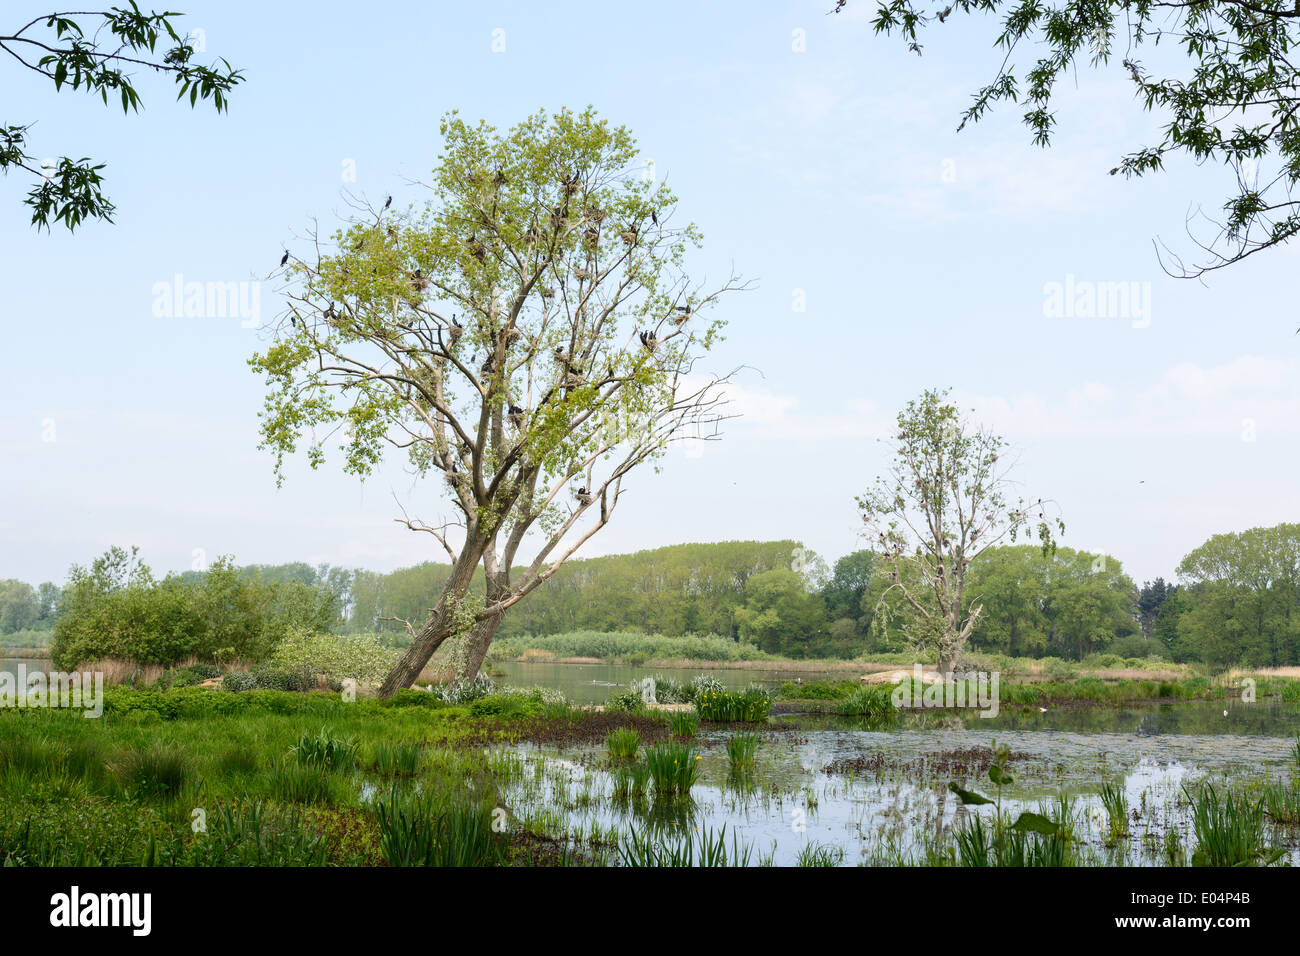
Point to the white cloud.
(1249, 394)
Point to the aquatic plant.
(639, 848)
(418, 830)
(741, 749)
(1229, 830)
(872, 700)
(401, 760)
(324, 750)
(673, 767)
(623, 744)
(683, 724)
(817, 854)
(751, 705)
(1115, 801)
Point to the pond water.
(877, 795)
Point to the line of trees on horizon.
(1237, 602)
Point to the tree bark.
(436, 629)
(480, 639)
(479, 642)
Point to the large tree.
(96, 52)
(529, 338)
(1234, 102)
(945, 501)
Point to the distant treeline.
(1238, 602)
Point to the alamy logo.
(102, 909)
(1083, 299)
(972, 689)
(208, 300)
(74, 690)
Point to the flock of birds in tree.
(572, 374)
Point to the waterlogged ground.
(878, 795)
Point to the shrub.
(363, 658)
(186, 676)
(627, 702)
(510, 706)
(463, 692)
(264, 678)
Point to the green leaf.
(967, 797)
(1036, 823)
(1000, 776)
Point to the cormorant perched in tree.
(330, 314)
(654, 218)
(583, 496)
(683, 314)
(419, 281)
(454, 330)
(515, 416)
(388, 202)
(649, 341)
(570, 185)
(284, 258)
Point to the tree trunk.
(480, 639)
(436, 629)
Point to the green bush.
(363, 658)
(117, 609)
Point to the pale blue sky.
(923, 255)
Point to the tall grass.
(325, 751)
(683, 724)
(1115, 802)
(157, 772)
(673, 767)
(418, 830)
(1229, 830)
(741, 749)
(623, 744)
(639, 848)
(750, 705)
